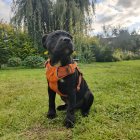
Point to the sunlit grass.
(114, 115)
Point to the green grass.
(115, 114)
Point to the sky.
(125, 13)
(5, 12)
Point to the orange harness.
(54, 73)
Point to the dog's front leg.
(70, 117)
(51, 112)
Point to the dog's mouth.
(68, 50)
(63, 50)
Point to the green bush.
(84, 46)
(4, 55)
(128, 55)
(103, 54)
(118, 55)
(136, 57)
(14, 62)
(34, 62)
(14, 43)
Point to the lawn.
(115, 114)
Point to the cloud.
(5, 10)
(125, 13)
(104, 18)
(125, 3)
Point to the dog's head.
(58, 43)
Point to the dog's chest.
(62, 80)
(66, 82)
(63, 86)
(62, 83)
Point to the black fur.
(60, 47)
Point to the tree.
(43, 16)
(33, 16)
(121, 39)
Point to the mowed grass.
(115, 114)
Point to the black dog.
(60, 47)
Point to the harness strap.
(53, 74)
(66, 70)
(79, 80)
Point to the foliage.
(14, 43)
(4, 50)
(43, 16)
(23, 46)
(34, 61)
(84, 46)
(14, 62)
(128, 55)
(118, 55)
(125, 44)
(136, 57)
(121, 38)
(103, 54)
(115, 114)
(3, 55)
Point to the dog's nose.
(66, 39)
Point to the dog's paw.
(62, 107)
(69, 123)
(85, 113)
(51, 114)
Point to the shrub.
(118, 55)
(128, 55)
(84, 46)
(34, 62)
(15, 43)
(4, 55)
(87, 54)
(14, 62)
(103, 54)
(136, 57)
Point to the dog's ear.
(44, 41)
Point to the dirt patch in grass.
(39, 132)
